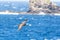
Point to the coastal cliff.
(46, 6)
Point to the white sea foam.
(9, 13)
(57, 14)
(41, 13)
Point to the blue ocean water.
(57, 3)
(38, 27)
(14, 6)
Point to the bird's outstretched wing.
(22, 24)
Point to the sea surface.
(14, 6)
(58, 3)
(38, 27)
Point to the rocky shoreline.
(49, 9)
(37, 7)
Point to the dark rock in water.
(58, 8)
(29, 11)
(43, 6)
(46, 11)
(39, 6)
(51, 8)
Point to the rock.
(37, 6)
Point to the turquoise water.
(38, 27)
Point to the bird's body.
(22, 24)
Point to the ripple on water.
(32, 39)
(20, 18)
(36, 27)
(30, 24)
